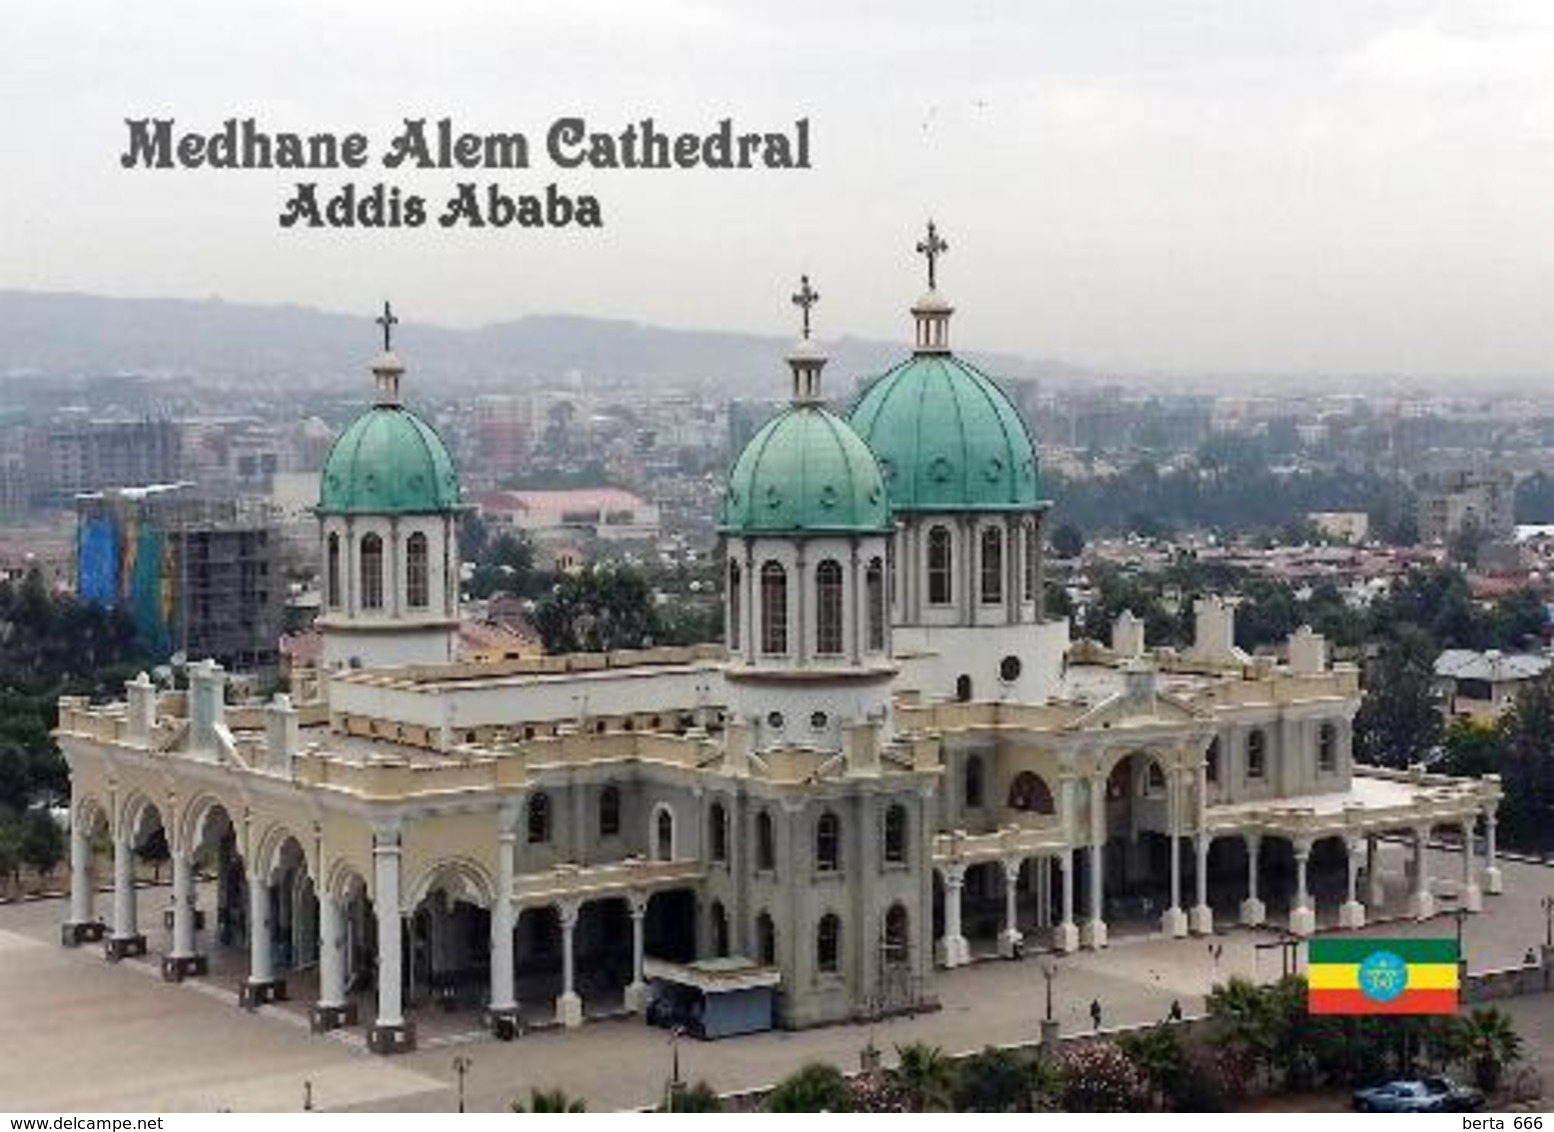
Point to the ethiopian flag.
(1382, 976)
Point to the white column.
(1493, 882)
(1095, 928)
(125, 923)
(1065, 937)
(503, 997)
(1253, 911)
(1044, 892)
(1472, 895)
(953, 950)
(261, 967)
(1352, 914)
(1376, 896)
(1303, 917)
(636, 993)
(1422, 907)
(385, 900)
(569, 1007)
(1173, 921)
(1010, 940)
(183, 906)
(331, 951)
(1202, 914)
(82, 898)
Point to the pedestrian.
(1175, 1013)
(1095, 1012)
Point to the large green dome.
(389, 461)
(947, 438)
(806, 472)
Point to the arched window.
(372, 572)
(735, 605)
(1211, 761)
(418, 585)
(774, 609)
(765, 939)
(610, 811)
(828, 944)
(828, 843)
(539, 819)
(898, 937)
(992, 565)
(765, 842)
(1154, 780)
(718, 819)
(1030, 793)
(1327, 747)
(963, 688)
(1256, 754)
(974, 796)
(940, 566)
(718, 921)
(874, 601)
(828, 608)
(896, 834)
(663, 834)
(1032, 552)
(332, 572)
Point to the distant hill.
(48, 334)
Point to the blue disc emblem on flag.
(1383, 976)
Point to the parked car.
(1429, 1094)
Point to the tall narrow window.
(973, 799)
(372, 572)
(828, 843)
(418, 586)
(1327, 747)
(765, 939)
(774, 609)
(874, 598)
(1211, 760)
(940, 566)
(828, 943)
(719, 925)
(992, 566)
(539, 819)
(828, 608)
(718, 818)
(1256, 754)
(1032, 552)
(765, 843)
(896, 834)
(610, 811)
(332, 572)
(663, 835)
(898, 938)
(735, 606)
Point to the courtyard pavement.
(85, 1035)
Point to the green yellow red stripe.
(1346, 976)
(1350, 975)
(1357, 1002)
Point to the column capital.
(1301, 847)
(1011, 867)
(637, 904)
(954, 875)
(568, 911)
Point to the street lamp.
(1547, 904)
(461, 1066)
(1049, 971)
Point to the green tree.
(1397, 723)
(1471, 749)
(41, 844)
(1096, 1076)
(10, 849)
(700, 1097)
(603, 608)
(816, 1087)
(550, 1100)
(1067, 541)
(1158, 1054)
(1527, 733)
(1489, 1043)
(995, 1080)
(924, 1076)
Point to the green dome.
(389, 461)
(805, 472)
(947, 438)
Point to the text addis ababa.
(569, 143)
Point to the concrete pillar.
(1202, 919)
(1253, 911)
(1494, 884)
(502, 1008)
(1303, 917)
(1095, 927)
(1173, 921)
(636, 993)
(1352, 913)
(953, 949)
(569, 1007)
(82, 896)
(333, 1009)
(1044, 892)
(1065, 937)
(1011, 939)
(261, 965)
(126, 939)
(390, 1033)
(184, 906)
(1422, 906)
(1472, 895)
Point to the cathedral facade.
(897, 762)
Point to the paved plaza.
(86, 1035)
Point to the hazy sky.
(1229, 185)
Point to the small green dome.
(806, 472)
(389, 461)
(947, 438)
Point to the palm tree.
(924, 1075)
(550, 1100)
(1490, 1043)
(814, 1088)
(700, 1097)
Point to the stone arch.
(195, 816)
(266, 856)
(342, 880)
(460, 877)
(90, 812)
(1140, 759)
(132, 813)
(1029, 792)
(663, 820)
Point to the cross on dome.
(805, 298)
(387, 320)
(932, 248)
